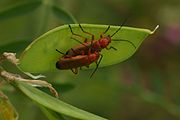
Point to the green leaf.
(55, 104)
(63, 15)
(40, 55)
(19, 9)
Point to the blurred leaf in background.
(7, 111)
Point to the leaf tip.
(155, 29)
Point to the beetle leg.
(68, 56)
(91, 47)
(85, 40)
(78, 52)
(97, 65)
(74, 70)
(92, 36)
(80, 41)
(86, 32)
(75, 33)
(74, 51)
(60, 52)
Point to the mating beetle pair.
(86, 52)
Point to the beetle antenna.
(125, 41)
(123, 23)
(106, 30)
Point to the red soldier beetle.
(80, 55)
(74, 62)
(94, 45)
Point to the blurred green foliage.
(146, 86)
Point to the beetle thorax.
(104, 42)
